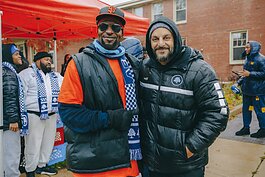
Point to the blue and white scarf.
(42, 96)
(22, 106)
(131, 102)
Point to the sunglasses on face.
(116, 28)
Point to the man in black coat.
(183, 108)
(11, 110)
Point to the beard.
(44, 68)
(162, 58)
(112, 46)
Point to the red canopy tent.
(59, 19)
(63, 19)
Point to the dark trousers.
(251, 103)
(194, 173)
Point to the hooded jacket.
(254, 84)
(133, 46)
(11, 111)
(182, 105)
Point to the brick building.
(219, 28)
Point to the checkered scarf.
(22, 106)
(131, 102)
(42, 97)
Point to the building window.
(157, 10)
(181, 11)
(184, 41)
(139, 11)
(238, 40)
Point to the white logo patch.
(177, 80)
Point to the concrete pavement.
(62, 173)
(233, 156)
(227, 158)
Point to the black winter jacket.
(182, 105)
(98, 147)
(11, 111)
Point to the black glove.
(120, 119)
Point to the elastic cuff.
(105, 119)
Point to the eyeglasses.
(116, 28)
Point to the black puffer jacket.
(11, 112)
(182, 105)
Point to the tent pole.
(1, 103)
(55, 55)
(55, 52)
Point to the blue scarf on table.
(22, 106)
(131, 102)
(42, 97)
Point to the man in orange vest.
(98, 104)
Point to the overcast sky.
(113, 2)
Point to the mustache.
(161, 48)
(109, 37)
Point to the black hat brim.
(101, 16)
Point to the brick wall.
(209, 23)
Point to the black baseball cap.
(41, 55)
(111, 11)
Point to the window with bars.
(157, 10)
(238, 43)
(181, 11)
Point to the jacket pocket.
(171, 143)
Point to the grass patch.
(232, 99)
(60, 165)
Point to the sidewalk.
(229, 156)
(62, 173)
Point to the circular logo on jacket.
(177, 80)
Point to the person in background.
(98, 104)
(133, 46)
(253, 89)
(25, 63)
(14, 110)
(81, 49)
(145, 53)
(182, 105)
(41, 86)
(67, 57)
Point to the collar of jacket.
(180, 62)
